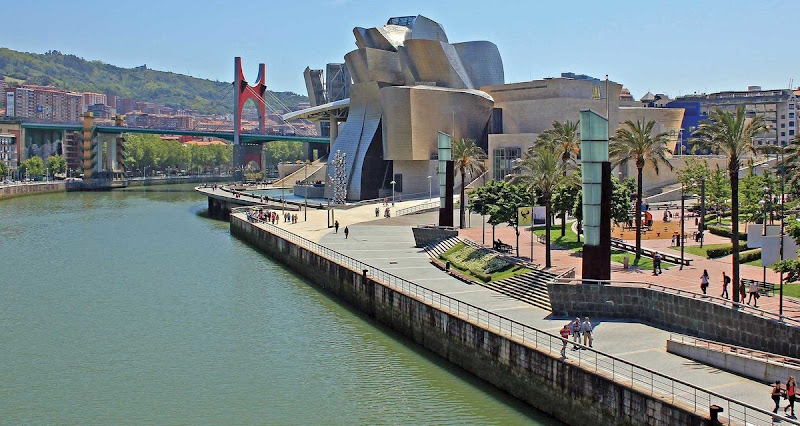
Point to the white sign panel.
(755, 233)
(10, 104)
(770, 250)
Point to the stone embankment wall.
(177, 180)
(565, 391)
(687, 315)
(34, 188)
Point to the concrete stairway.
(436, 249)
(530, 288)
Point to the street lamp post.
(393, 183)
(430, 189)
(683, 224)
(780, 248)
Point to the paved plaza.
(388, 244)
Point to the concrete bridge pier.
(218, 209)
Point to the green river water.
(129, 307)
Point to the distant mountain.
(71, 72)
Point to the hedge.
(749, 256)
(724, 251)
(725, 232)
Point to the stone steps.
(436, 249)
(530, 288)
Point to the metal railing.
(418, 208)
(741, 306)
(737, 350)
(642, 379)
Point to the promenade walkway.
(388, 244)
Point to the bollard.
(364, 273)
(447, 266)
(625, 262)
(715, 410)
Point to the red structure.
(243, 92)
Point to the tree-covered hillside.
(165, 88)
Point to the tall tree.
(791, 161)
(636, 142)
(467, 158)
(56, 164)
(540, 171)
(731, 134)
(566, 140)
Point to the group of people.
(788, 392)
(657, 263)
(743, 289)
(270, 216)
(576, 329)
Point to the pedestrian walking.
(742, 291)
(656, 263)
(346, 232)
(336, 227)
(586, 329)
(377, 211)
(776, 395)
(791, 394)
(576, 333)
(565, 337)
(753, 294)
(725, 281)
(704, 281)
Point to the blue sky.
(674, 47)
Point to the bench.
(502, 247)
(765, 288)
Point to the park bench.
(765, 288)
(502, 247)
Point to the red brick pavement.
(688, 278)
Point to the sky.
(673, 47)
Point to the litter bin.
(625, 262)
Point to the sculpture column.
(597, 192)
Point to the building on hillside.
(778, 107)
(3, 87)
(125, 105)
(160, 121)
(43, 102)
(111, 100)
(91, 98)
(100, 111)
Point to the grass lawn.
(495, 276)
(756, 262)
(568, 242)
(702, 252)
(792, 290)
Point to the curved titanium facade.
(409, 83)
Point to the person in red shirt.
(565, 337)
(791, 392)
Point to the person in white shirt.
(586, 329)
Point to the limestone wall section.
(565, 391)
(36, 188)
(678, 313)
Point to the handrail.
(637, 377)
(414, 209)
(682, 292)
(737, 350)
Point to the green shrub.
(724, 251)
(711, 218)
(481, 276)
(725, 232)
(750, 255)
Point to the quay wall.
(178, 180)
(32, 188)
(674, 312)
(563, 390)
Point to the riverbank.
(520, 360)
(31, 188)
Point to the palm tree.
(731, 134)
(540, 170)
(635, 141)
(791, 161)
(564, 136)
(467, 158)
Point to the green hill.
(142, 84)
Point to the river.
(129, 307)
